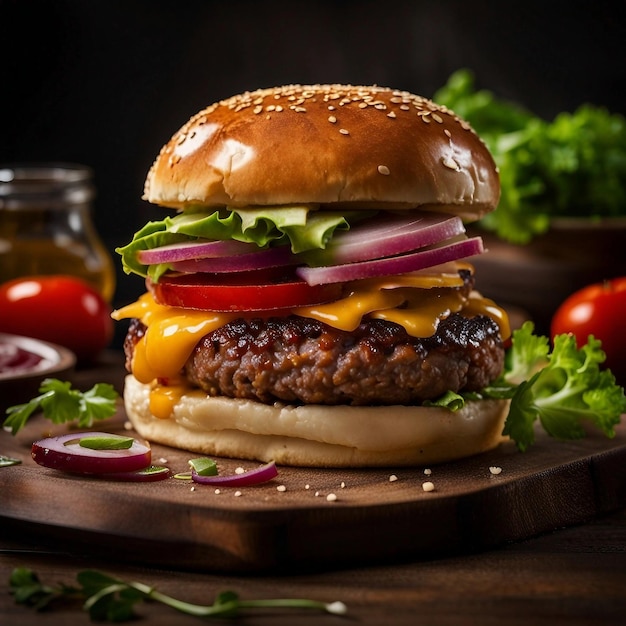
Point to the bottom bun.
(318, 436)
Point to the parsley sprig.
(111, 599)
(61, 403)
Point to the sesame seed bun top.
(326, 144)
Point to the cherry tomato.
(57, 308)
(598, 310)
(244, 291)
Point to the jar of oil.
(46, 225)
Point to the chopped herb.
(111, 442)
(204, 466)
(7, 461)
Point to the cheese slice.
(415, 301)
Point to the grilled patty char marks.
(298, 360)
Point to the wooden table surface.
(575, 575)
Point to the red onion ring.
(393, 265)
(64, 453)
(193, 250)
(262, 259)
(256, 476)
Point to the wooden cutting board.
(291, 523)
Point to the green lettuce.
(563, 388)
(301, 227)
(572, 166)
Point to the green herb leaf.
(107, 598)
(60, 404)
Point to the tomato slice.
(243, 291)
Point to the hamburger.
(310, 297)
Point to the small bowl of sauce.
(25, 363)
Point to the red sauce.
(16, 359)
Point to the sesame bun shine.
(326, 144)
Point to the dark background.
(106, 83)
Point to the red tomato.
(242, 291)
(598, 310)
(57, 308)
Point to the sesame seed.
(450, 163)
(332, 119)
(437, 118)
(317, 493)
(343, 131)
(343, 485)
(428, 472)
(281, 488)
(495, 470)
(405, 107)
(192, 489)
(447, 133)
(331, 107)
(391, 114)
(307, 486)
(257, 109)
(237, 494)
(428, 486)
(384, 170)
(217, 492)
(240, 470)
(393, 478)
(331, 497)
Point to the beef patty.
(299, 360)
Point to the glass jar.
(46, 225)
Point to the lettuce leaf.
(563, 389)
(301, 227)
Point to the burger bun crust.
(371, 147)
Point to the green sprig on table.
(111, 599)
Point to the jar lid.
(45, 185)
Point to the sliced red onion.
(390, 236)
(65, 453)
(394, 265)
(256, 476)
(262, 259)
(193, 250)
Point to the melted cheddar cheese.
(415, 301)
